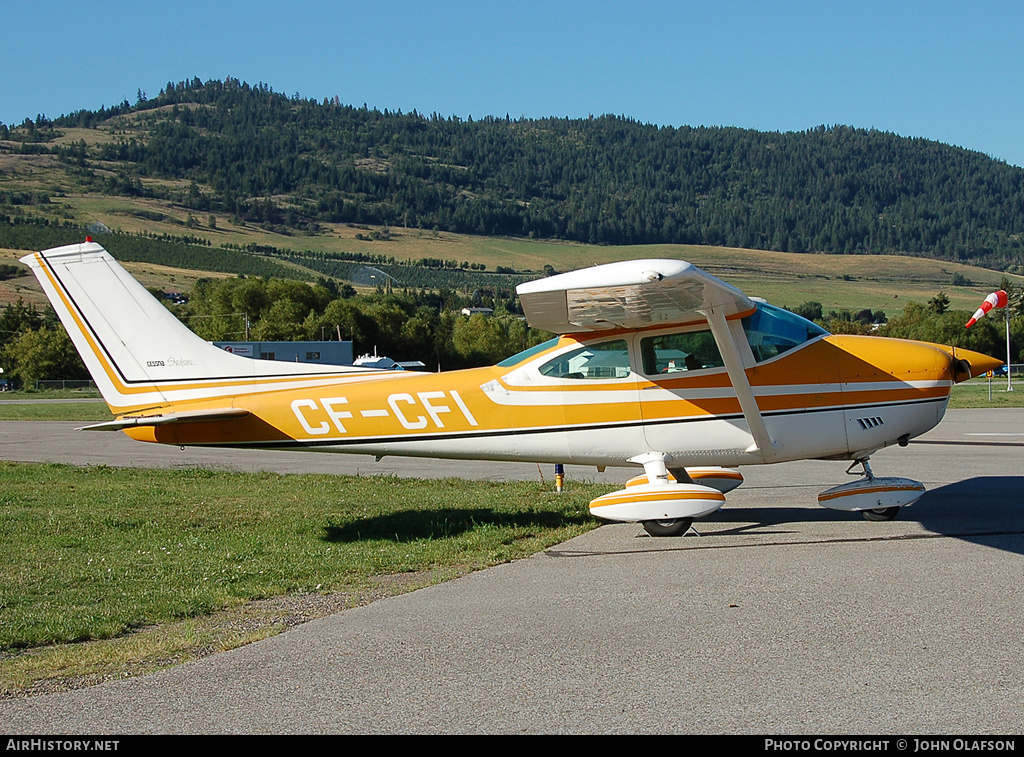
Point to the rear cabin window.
(772, 331)
(604, 360)
(678, 353)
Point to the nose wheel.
(875, 514)
(877, 499)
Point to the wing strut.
(763, 442)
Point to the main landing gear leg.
(655, 466)
(664, 505)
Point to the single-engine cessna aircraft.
(658, 365)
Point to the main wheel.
(670, 527)
(880, 513)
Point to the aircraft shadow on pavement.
(975, 510)
(409, 525)
(978, 510)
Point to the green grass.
(99, 553)
(51, 394)
(975, 393)
(56, 411)
(75, 405)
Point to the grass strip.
(135, 556)
(976, 393)
(56, 411)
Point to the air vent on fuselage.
(870, 422)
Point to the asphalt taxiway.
(780, 617)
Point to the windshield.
(526, 354)
(772, 331)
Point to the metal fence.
(65, 384)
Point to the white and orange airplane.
(658, 365)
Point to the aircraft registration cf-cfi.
(658, 364)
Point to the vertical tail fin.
(137, 352)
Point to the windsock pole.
(1009, 380)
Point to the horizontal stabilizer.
(187, 416)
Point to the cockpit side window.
(604, 360)
(772, 331)
(676, 353)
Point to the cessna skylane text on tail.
(658, 365)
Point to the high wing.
(636, 294)
(630, 294)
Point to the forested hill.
(291, 162)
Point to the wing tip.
(64, 251)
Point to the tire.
(672, 527)
(880, 513)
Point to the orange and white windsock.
(994, 300)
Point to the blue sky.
(952, 72)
